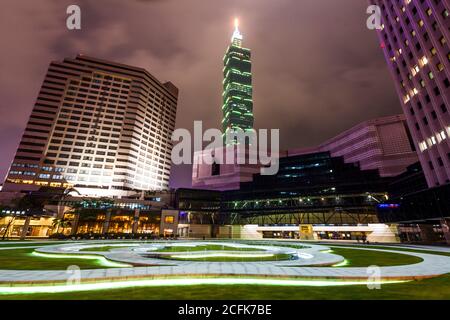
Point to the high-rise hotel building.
(237, 106)
(415, 39)
(101, 127)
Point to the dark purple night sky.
(317, 69)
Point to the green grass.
(365, 258)
(213, 247)
(104, 248)
(278, 244)
(436, 288)
(21, 259)
(398, 249)
(5, 244)
(275, 257)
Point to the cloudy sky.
(317, 69)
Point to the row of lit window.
(24, 173)
(131, 182)
(414, 91)
(434, 139)
(91, 115)
(40, 183)
(94, 120)
(109, 77)
(86, 125)
(72, 170)
(25, 165)
(94, 95)
(82, 138)
(107, 108)
(85, 81)
(83, 131)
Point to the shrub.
(58, 236)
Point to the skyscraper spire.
(236, 39)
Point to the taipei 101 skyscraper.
(237, 86)
(237, 115)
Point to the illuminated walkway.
(148, 254)
(431, 266)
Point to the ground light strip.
(341, 264)
(102, 260)
(183, 282)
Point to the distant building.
(384, 144)
(422, 213)
(100, 127)
(317, 192)
(415, 39)
(216, 176)
(85, 216)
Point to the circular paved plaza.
(209, 262)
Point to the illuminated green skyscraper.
(237, 86)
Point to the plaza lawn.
(212, 247)
(275, 257)
(8, 244)
(435, 288)
(22, 259)
(104, 248)
(365, 258)
(399, 249)
(280, 244)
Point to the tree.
(8, 226)
(33, 203)
(61, 223)
(63, 194)
(27, 205)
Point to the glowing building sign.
(388, 206)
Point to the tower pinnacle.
(237, 36)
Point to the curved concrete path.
(146, 254)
